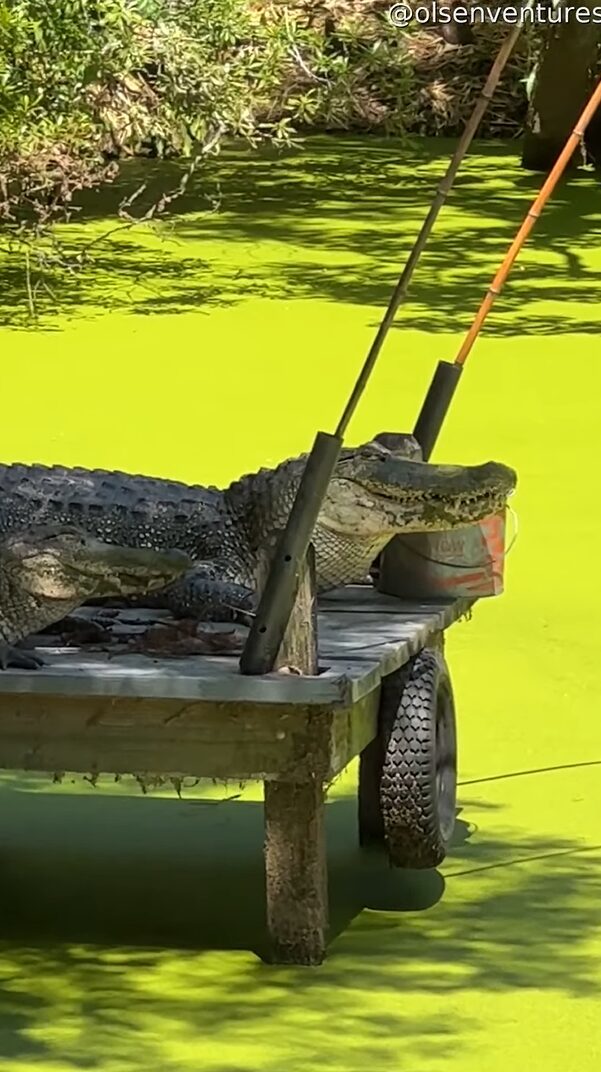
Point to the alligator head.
(376, 491)
(63, 563)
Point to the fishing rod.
(447, 375)
(400, 291)
(281, 587)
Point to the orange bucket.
(467, 562)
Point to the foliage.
(353, 74)
(372, 76)
(87, 83)
(84, 83)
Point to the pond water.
(219, 342)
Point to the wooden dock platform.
(95, 712)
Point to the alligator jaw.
(395, 495)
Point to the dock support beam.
(296, 871)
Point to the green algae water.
(219, 343)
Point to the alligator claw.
(17, 659)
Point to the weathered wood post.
(299, 647)
(295, 849)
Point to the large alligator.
(374, 494)
(49, 571)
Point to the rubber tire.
(418, 790)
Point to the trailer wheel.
(418, 788)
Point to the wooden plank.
(364, 648)
(164, 737)
(356, 593)
(351, 730)
(363, 598)
(170, 738)
(210, 678)
(362, 594)
(356, 648)
(345, 633)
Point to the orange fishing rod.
(447, 375)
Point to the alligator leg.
(209, 599)
(203, 595)
(296, 871)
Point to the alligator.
(49, 571)
(375, 493)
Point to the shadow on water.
(171, 871)
(333, 221)
(173, 880)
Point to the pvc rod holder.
(277, 601)
(436, 403)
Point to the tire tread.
(408, 789)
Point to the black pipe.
(436, 403)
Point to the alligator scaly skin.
(375, 493)
(49, 570)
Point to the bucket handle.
(463, 565)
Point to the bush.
(84, 84)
